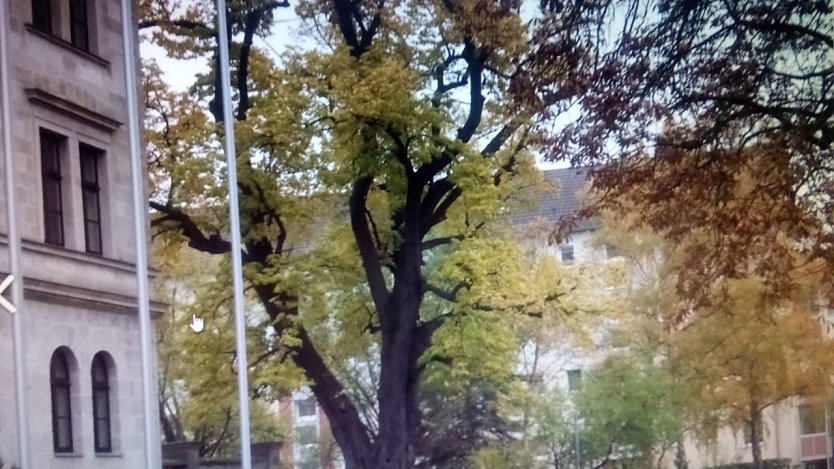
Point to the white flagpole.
(149, 402)
(14, 244)
(234, 222)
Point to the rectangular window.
(101, 405)
(574, 380)
(90, 194)
(306, 435)
(79, 27)
(811, 420)
(42, 15)
(567, 253)
(53, 212)
(306, 407)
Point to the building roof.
(560, 197)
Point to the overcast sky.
(180, 73)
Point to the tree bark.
(756, 437)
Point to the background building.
(70, 140)
(311, 445)
(794, 432)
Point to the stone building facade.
(70, 140)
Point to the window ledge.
(68, 46)
(69, 455)
(85, 257)
(76, 111)
(112, 454)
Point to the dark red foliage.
(715, 118)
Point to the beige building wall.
(85, 302)
(781, 441)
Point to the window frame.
(88, 154)
(101, 391)
(574, 379)
(567, 248)
(810, 420)
(81, 20)
(53, 218)
(300, 403)
(62, 385)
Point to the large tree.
(630, 409)
(735, 356)
(408, 122)
(753, 352)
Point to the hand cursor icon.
(197, 323)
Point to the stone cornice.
(83, 298)
(70, 109)
(82, 257)
(55, 293)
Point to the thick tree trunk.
(392, 447)
(398, 409)
(756, 438)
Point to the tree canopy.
(742, 352)
(374, 172)
(716, 116)
(376, 169)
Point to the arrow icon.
(3, 301)
(196, 325)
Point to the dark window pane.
(103, 435)
(59, 371)
(79, 34)
(63, 436)
(89, 164)
(101, 404)
(567, 254)
(52, 196)
(306, 407)
(61, 403)
(574, 380)
(306, 435)
(93, 237)
(90, 158)
(42, 15)
(91, 207)
(53, 212)
(811, 420)
(99, 371)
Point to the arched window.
(101, 404)
(59, 378)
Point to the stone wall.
(74, 299)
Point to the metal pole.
(234, 222)
(14, 244)
(149, 403)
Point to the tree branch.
(365, 243)
(212, 244)
(435, 242)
